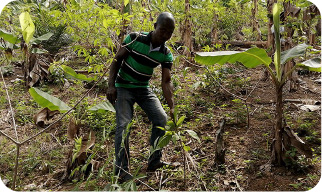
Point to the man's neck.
(154, 44)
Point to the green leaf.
(9, 37)
(27, 26)
(193, 134)
(171, 125)
(44, 37)
(49, 101)
(164, 140)
(312, 64)
(185, 147)
(71, 73)
(296, 51)
(126, 2)
(105, 106)
(180, 121)
(250, 58)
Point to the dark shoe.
(124, 177)
(154, 166)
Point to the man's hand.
(111, 94)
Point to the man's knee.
(161, 120)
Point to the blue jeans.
(148, 101)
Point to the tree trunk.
(186, 32)
(277, 151)
(255, 22)
(214, 30)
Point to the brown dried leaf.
(38, 68)
(44, 115)
(73, 129)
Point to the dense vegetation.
(57, 130)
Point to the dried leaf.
(73, 129)
(44, 115)
(38, 67)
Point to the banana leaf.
(49, 101)
(9, 37)
(105, 106)
(296, 51)
(250, 58)
(312, 64)
(27, 26)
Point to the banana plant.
(255, 57)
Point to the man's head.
(164, 28)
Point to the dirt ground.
(247, 166)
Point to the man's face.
(163, 31)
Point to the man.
(128, 83)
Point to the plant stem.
(16, 167)
(277, 147)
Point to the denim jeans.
(148, 101)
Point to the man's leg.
(149, 102)
(124, 113)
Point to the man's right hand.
(111, 94)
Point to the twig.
(9, 101)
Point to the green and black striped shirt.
(137, 69)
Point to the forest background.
(73, 44)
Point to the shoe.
(124, 177)
(154, 166)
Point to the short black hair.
(165, 16)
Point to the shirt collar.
(151, 47)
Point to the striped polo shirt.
(137, 69)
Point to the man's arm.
(167, 89)
(114, 68)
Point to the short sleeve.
(168, 61)
(127, 43)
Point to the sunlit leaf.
(296, 51)
(49, 101)
(250, 58)
(27, 26)
(71, 73)
(44, 37)
(180, 121)
(185, 147)
(105, 106)
(126, 2)
(193, 134)
(9, 37)
(312, 64)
